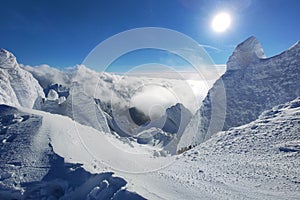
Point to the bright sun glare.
(221, 22)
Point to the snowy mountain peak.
(248, 52)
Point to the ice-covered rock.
(17, 86)
(251, 84)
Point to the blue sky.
(61, 33)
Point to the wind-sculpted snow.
(252, 84)
(21, 156)
(30, 169)
(17, 86)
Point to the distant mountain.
(170, 127)
(17, 86)
(251, 84)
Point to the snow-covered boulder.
(251, 84)
(17, 86)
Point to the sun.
(221, 22)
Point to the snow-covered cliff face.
(252, 84)
(17, 86)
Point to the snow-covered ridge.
(252, 84)
(17, 86)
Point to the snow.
(169, 128)
(66, 150)
(245, 162)
(248, 87)
(84, 144)
(248, 52)
(17, 86)
(33, 170)
(119, 90)
(117, 95)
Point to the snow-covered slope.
(17, 86)
(30, 168)
(256, 161)
(252, 84)
(259, 160)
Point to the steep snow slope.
(252, 84)
(259, 160)
(17, 86)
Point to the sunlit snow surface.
(256, 161)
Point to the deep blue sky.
(61, 33)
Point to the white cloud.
(149, 91)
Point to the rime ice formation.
(250, 85)
(17, 86)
